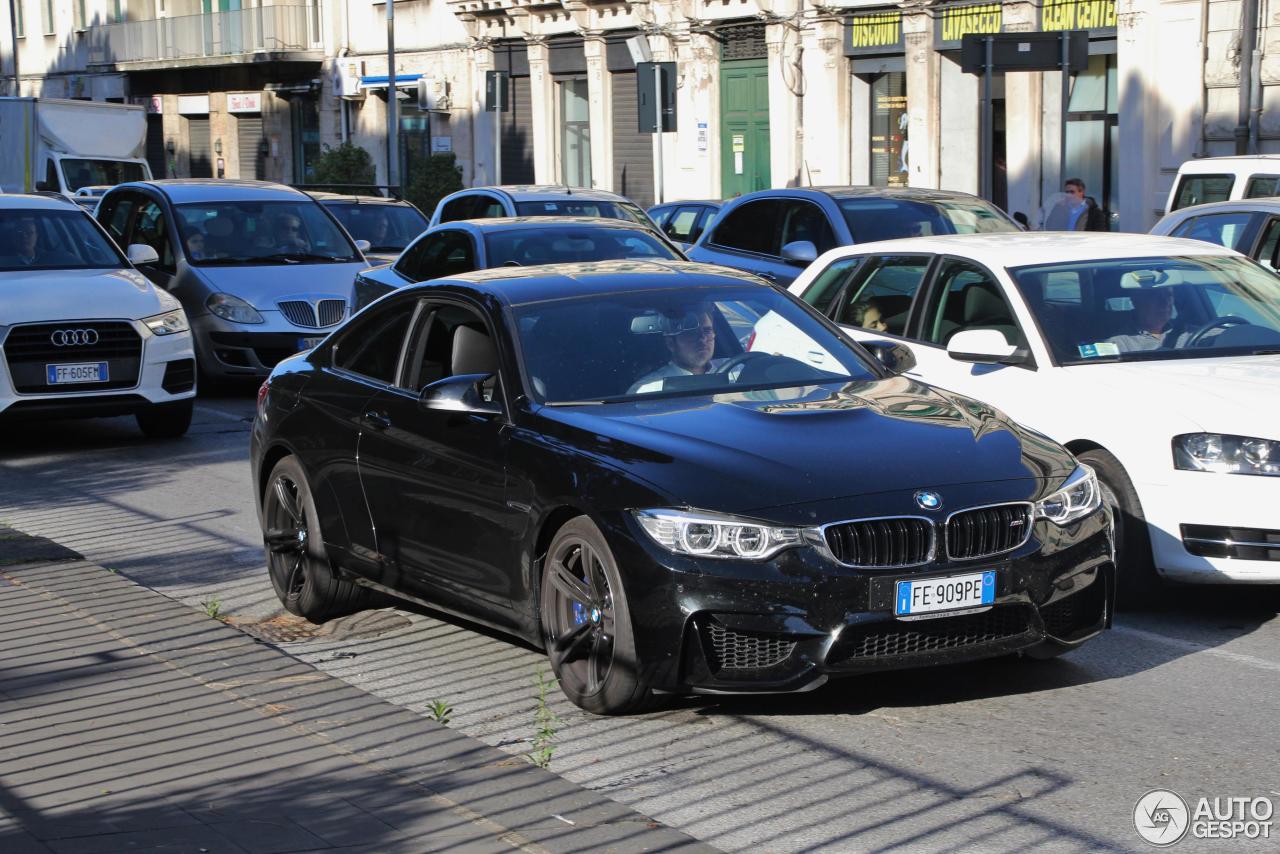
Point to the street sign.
(646, 88)
(497, 91)
(1024, 51)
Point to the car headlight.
(1225, 454)
(715, 535)
(167, 323)
(1077, 499)
(233, 308)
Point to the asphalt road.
(1005, 755)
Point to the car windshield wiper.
(296, 257)
(241, 259)
(580, 402)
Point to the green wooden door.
(744, 126)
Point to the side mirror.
(460, 393)
(896, 358)
(800, 253)
(363, 245)
(141, 254)
(46, 187)
(984, 347)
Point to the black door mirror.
(46, 187)
(460, 393)
(896, 358)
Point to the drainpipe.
(1202, 150)
(1248, 39)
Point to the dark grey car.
(777, 233)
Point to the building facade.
(769, 93)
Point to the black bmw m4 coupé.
(594, 458)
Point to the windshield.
(54, 240)
(871, 219)
(583, 207)
(1153, 308)
(562, 244)
(286, 232)
(95, 173)
(637, 344)
(388, 228)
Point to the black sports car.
(594, 458)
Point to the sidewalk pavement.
(130, 722)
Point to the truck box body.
(61, 146)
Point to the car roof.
(1269, 204)
(181, 190)
(919, 194)
(556, 192)
(712, 202)
(354, 198)
(36, 201)
(515, 223)
(521, 285)
(1006, 249)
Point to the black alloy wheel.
(1137, 584)
(586, 625)
(296, 559)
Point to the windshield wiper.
(295, 257)
(579, 402)
(241, 259)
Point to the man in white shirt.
(691, 341)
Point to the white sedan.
(83, 333)
(1155, 360)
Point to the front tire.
(1136, 580)
(166, 420)
(586, 623)
(300, 571)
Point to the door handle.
(376, 420)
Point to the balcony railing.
(212, 35)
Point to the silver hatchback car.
(263, 270)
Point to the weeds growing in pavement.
(440, 711)
(213, 607)
(545, 722)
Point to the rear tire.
(1137, 583)
(166, 420)
(586, 623)
(300, 570)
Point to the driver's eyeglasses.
(700, 332)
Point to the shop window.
(575, 133)
(1093, 132)
(889, 120)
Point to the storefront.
(880, 149)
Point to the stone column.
(1140, 119)
(786, 109)
(543, 107)
(923, 94)
(828, 122)
(1023, 122)
(483, 124)
(696, 166)
(600, 108)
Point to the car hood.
(40, 295)
(261, 286)
(1238, 394)
(750, 451)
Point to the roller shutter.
(155, 145)
(632, 150)
(249, 131)
(198, 145)
(517, 135)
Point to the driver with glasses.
(690, 336)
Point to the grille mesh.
(332, 311)
(944, 633)
(988, 530)
(746, 650)
(882, 542)
(29, 348)
(299, 313)
(1081, 610)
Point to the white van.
(1219, 179)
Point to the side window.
(487, 207)
(372, 346)
(151, 227)
(823, 289)
(450, 340)
(881, 299)
(1267, 249)
(752, 227)
(114, 216)
(441, 253)
(411, 260)
(681, 224)
(459, 208)
(1198, 189)
(1262, 186)
(967, 297)
(1224, 229)
(806, 221)
(51, 176)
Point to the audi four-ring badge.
(82, 332)
(597, 458)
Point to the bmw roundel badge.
(928, 500)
